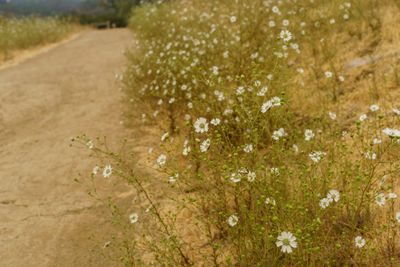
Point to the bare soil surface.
(46, 219)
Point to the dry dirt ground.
(46, 219)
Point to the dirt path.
(45, 218)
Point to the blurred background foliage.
(84, 11)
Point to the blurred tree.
(122, 7)
(3, 3)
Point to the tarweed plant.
(23, 33)
(259, 147)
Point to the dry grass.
(19, 34)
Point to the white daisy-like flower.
(172, 179)
(295, 148)
(275, 10)
(251, 176)
(286, 241)
(240, 90)
(328, 74)
(215, 121)
(235, 177)
(186, 142)
(107, 171)
(374, 108)
(215, 70)
(95, 170)
(376, 141)
(276, 135)
(275, 171)
(220, 95)
(359, 241)
(271, 24)
(266, 106)
(233, 220)
(201, 125)
(333, 195)
(285, 23)
(90, 144)
(324, 203)
(186, 151)
(270, 201)
(276, 101)
(273, 102)
(285, 35)
(205, 145)
(133, 218)
(248, 148)
(316, 156)
(262, 91)
(393, 133)
(370, 155)
(332, 115)
(161, 160)
(308, 134)
(380, 199)
(243, 170)
(164, 137)
(391, 195)
(233, 19)
(363, 117)
(396, 111)
(397, 216)
(148, 208)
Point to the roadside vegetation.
(280, 134)
(27, 32)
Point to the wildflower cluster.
(264, 166)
